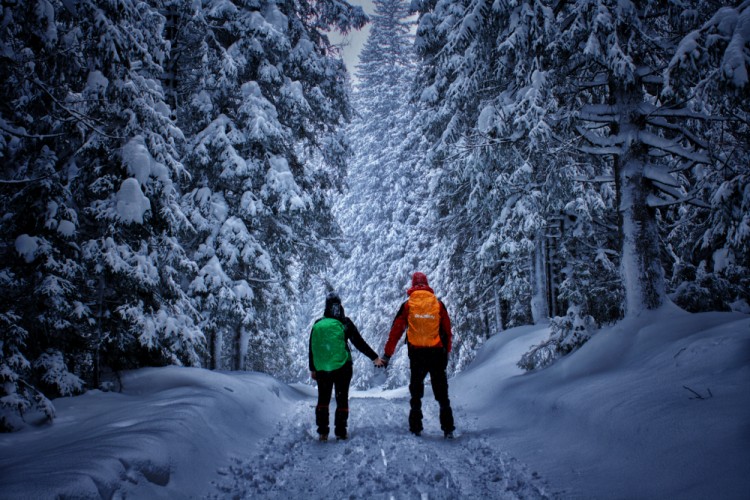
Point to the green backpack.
(329, 347)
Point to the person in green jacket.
(331, 364)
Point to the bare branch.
(697, 395)
(75, 114)
(18, 132)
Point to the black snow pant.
(433, 361)
(340, 379)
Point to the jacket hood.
(334, 308)
(419, 282)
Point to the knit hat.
(334, 309)
(419, 279)
(419, 282)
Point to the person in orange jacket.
(429, 340)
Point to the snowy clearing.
(654, 407)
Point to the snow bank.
(164, 436)
(654, 407)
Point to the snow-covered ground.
(654, 407)
(619, 418)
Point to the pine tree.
(38, 226)
(90, 189)
(487, 83)
(263, 114)
(129, 198)
(623, 116)
(709, 269)
(380, 206)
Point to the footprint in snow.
(380, 460)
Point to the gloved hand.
(313, 376)
(382, 362)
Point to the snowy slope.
(613, 420)
(164, 436)
(616, 420)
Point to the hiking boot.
(342, 437)
(322, 437)
(449, 435)
(416, 433)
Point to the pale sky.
(354, 41)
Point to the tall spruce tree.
(382, 197)
(264, 154)
(622, 116)
(155, 153)
(487, 82)
(39, 265)
(90, 196)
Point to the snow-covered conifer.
(382, 202)
(711, 262)
(263, 111)
(90, 189)
(621, 115)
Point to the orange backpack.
(424, 319)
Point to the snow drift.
(164, 436)
(652, 407)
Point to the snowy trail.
(381, 459)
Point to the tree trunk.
(643, 275)
(642, 272)
(99, 333)
(216, 349)
(240, 351)
(539, 310)
(498, 311)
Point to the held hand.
(380, 363)
(313, 376)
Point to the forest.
(183, 182)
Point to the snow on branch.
(660, 122)
(341, 16)
(599, 140)
(20, 132)
(601, 151)
(80, 117)
(600, 113)
(669, 190)
(599, 179)
(672, 147)
(25, 181)
(722, 42)
(659, 175)
(665, 112)
(654, 201)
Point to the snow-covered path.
(381, 459)
(613, 420)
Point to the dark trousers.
(327, 381)
(434, 362)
